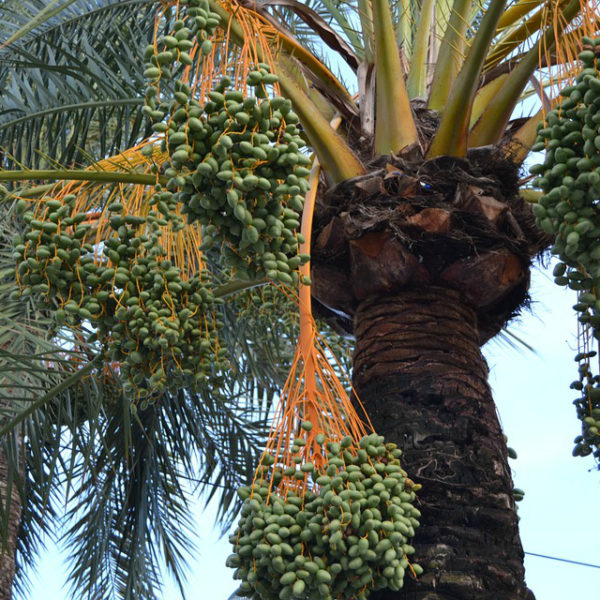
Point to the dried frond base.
(458, 223)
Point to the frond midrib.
(72, 108)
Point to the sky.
(558, 516)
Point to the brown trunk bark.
(423, 381)
(8, 550)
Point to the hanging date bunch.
(151, 319)
(570, 181)
(336, 526)
(247, 188)
(235, 157)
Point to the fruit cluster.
(238, 170)
(570, 181)
(156, 323)
(234, 160)
(347, 536)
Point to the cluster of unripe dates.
(588, 407)
(235, 160)
(340, 532)
(156, 323)
(570, 181)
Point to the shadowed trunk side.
(421, 376)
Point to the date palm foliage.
(423, 237)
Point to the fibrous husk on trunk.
(452, 222)
(419, 372)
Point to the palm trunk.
(421, 376)
(8, 550)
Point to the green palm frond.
(67, 94)
(24, 17)
(133, 494)
(126, 499)
(48, 460)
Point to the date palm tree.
(423, 235)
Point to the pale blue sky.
(559, 512)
